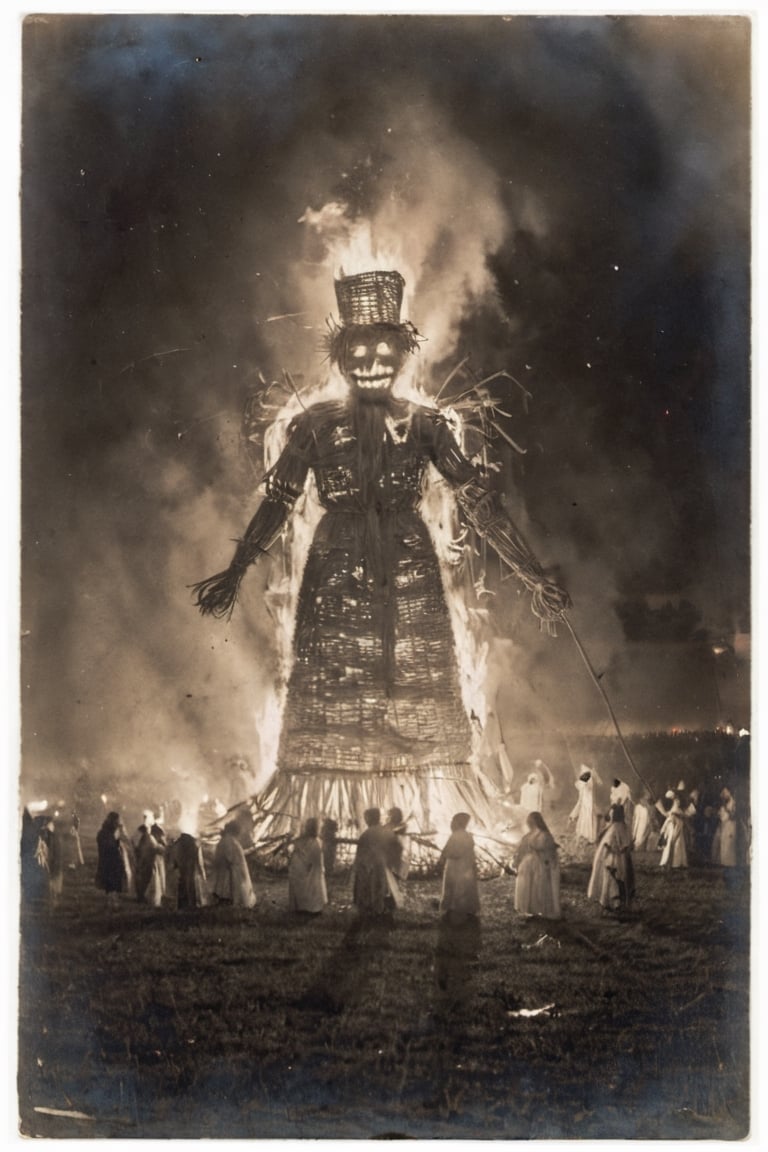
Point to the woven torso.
(374, 686)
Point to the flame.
(422, 230)
(37, 806)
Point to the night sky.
(570, 196)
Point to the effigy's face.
(372, 364)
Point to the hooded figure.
(230, 878)
(306, 871)
(373, 700)
(612, 882)
(537, 888)
(672, 838)
(374, 885)
(584, 814)
(460, 895)
(149, 847)
(532, 793)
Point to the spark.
(285, 316)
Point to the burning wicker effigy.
(373, 710)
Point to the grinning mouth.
(372, 380)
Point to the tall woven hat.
(370, 298)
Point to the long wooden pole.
(596, 681)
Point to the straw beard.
(368, 411)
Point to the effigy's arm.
(283, 485)
(484, 511)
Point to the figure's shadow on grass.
(344, 977)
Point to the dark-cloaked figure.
(537, 888)
(307, 890)
(328, 831)
(460, 895)
(185, 855)
(612, 881)
(110, 871)
(375, 890)
(373, 708)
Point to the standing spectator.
(690, 807)
(584, 814)
(186, 856)
(532, 793)
(612, 882)
(375, 890)
(51, 835)
(622, 794)
(307, 891)
(110, 870)
(328, 836)
(705, 832)
(537, 888)
(75, 852)
(400, 856)
(230, 878)
(672, 839)
(34, 859)
(149, 845)
(724, 840)
(643, 823)
(460, 895)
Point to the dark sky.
(571, 199)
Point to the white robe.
(307, 890)
(724, 840)
(674, 854)
(584, 810)
(532, 795)
(230, 878)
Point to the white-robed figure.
(532, 791)
(724, 840)
(584, 814)
(307, 891)
(612, 880)
(230, 878)
(674, 849)
(622, 794)
(643, 822)
(149, 848)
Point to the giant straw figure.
(373, 713)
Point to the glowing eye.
(360, 351)
(383, 349)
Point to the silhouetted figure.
(110, 870)
(186, 856)
(375, 890)
(328, 836)
(460, 895)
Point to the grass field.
(232, 1023)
